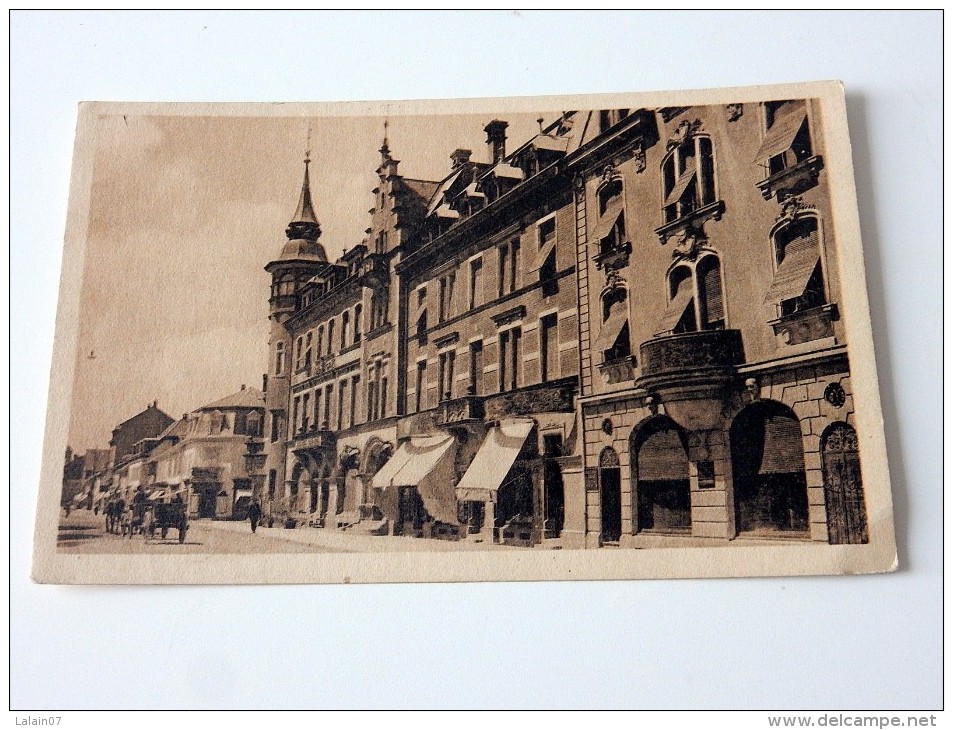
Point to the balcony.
(460, 410)
(312, 437)
(618, 370)
(806, 325)
(792, 180)
(690, 357)
(613, 257)
(373, 270)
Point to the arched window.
(307, 350)
(609, 232)
(358, 310)
(345, 322)
(279, 358)
(798, 283)
(330, 336)
(696, 299)
(320, 343)
(613, 340)
(688, 178)
(767, 458)
(299, 353)
(661, 475)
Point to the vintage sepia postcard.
(590, 337)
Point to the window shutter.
(711, 286)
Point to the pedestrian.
(254, 514)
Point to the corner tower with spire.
(301, 259)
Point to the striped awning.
(788, 121)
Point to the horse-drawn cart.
(150, 518)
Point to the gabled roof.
(245, 398)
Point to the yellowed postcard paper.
(591, 337)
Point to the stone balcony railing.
(792, 180)
(690, 355)
(460, 410)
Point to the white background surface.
(870, 642)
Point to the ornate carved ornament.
(683, 133)
(792, 209)
(735, 111)
(614, 280)
(670, 112)
(689, 243)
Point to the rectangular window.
(548, 348)
(504, 267)
(514, 263)
(317, 408)
(476, 368)
(299, 353)
(358, 310)
(272, 483)
(445, 310)
(355, 382)
(476, 283)
(295, 411)
(345, 336)
(279, 358)
(383, 403)
(330, 337)
(328, 394)
(306, 412)
(342, 387)
(445, 374)
(275, 426)
(307, 350)
(421, 375)
(510, 358)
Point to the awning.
(681, 185)
(618, 316)
(783, 446)
(787, 123)
(676, 308)
(793, 274)
(436, 486)
(607, 221)
(544, 253)
(662, 458)
(493, 460)
(384, 477)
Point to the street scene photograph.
(607, 329)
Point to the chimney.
(155, 404)
(460, 157)
(496, 139)
(243, 386)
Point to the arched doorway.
(767, 458)
(660, 472)
(843, 490)
(610, 493)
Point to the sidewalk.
(353, 541)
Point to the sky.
(185, 211)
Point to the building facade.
(716, 397)
(622, 330)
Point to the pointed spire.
(385, 149)
(304, 225)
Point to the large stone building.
(626, 326)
